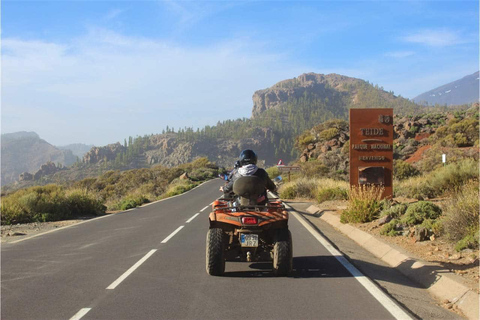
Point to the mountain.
(279, 114)
(463, 91)
(78, 149)
(26, 152)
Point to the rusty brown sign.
(371, 148)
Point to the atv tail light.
(249, 220)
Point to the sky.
(97, 72)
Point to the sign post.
(288, 169)
(371, 148)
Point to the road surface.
(149, 263)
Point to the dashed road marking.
(204, 208)
(194, 216)
(172, 234)
(80, 313)
(129, 271)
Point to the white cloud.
(399, 54)
(436, 38)
(110, 86)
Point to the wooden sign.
(371, 148)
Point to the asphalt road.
(149, 263)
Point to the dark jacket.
(250, 170)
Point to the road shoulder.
(407, 279)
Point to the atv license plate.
(249, 240)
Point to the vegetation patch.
(364, 204)
(461, 217)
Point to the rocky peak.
(106, 153)
(318, 84)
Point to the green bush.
(329, 133)
(288, 191)
(273, 172)
(395, 211)
(417, 212)
(403, 170)
(132, 201)
(438, 182)
(48, 203)
(337, 193)
(389, 229)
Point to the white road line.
(378, 294)
(204, 208)
(194, 216)
(129, 271)
(80, 314)
(172, 234)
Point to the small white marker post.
(444, 159)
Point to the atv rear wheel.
(282, 253)
(215, 255)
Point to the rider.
(248, 162)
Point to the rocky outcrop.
(324, 86)
(102, 154)
(46, 169)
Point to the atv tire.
(215, 255)
(282, 253)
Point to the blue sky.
(100, 71)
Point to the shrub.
(403, 170)
(329, 133)
(438, 182)
(389, 229)
(288, 191)
(132, 201)
(337, 193)
(364, 204)
(417, 212)
(461, 216)
(273, 172)
(395, 211)
(314, 169)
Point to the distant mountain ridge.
(27, 152)
(279, 114)
(462, 91)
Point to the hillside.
(26, 152)
(462, 91)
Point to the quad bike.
(240, 229)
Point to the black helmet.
(248, 157)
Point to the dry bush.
(363, 204)
(461, 216)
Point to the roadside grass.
(363, 204)
(319, 189)
(461, 217)
(438, 182)
(114, 190)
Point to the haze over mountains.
(462, 91)
(26, 152)
(279, 114)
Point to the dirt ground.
(436, 250)
(17, 232)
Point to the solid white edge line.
(61, 228)
(80, 314)
(378, 294)
(129, 271)
(172, 234)
(194, 216)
